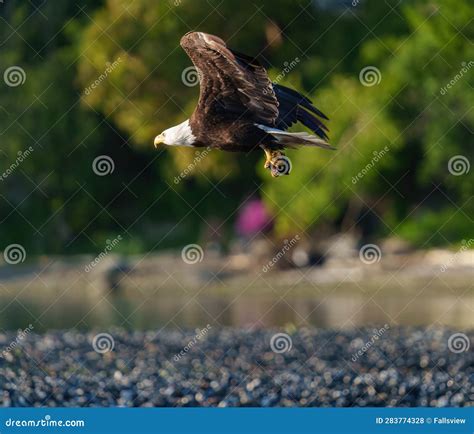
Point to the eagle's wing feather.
(230, 81)
(294, 107)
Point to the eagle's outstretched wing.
(230, 82)
(233, 83)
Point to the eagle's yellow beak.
(159, 140)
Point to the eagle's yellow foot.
(268, 159)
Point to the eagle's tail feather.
(293, 140)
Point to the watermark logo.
(103, 165)
(377, 155)
(190, 76)
(287, 246)
(103, 343)
(192, 254)
(377, 334)
(287, 68)
(281, 343)
(21, 335)
(109, 246)
(47, 421)
(458, 165)
(465, 67)
(191, 166)
(199, 335)
(370, 76)
(281, 166)
(14, 76)
(14, 254)
(22, 156)
(370, 254)
(465, 245)
(109, 67)
(458, 343)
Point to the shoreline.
(218, 274)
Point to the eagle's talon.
(274, 171)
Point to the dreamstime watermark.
(465, 67)
(190, 167)
(197, 337)
(377, 334)
(370, 76)
(14, 254)
(22, 156)
(287, 246)
(103, 343)
(192, 254)
(47, 421)
(377, 155)
(370, 254)
(190, 76)
(281, 166)
(465, 245)
(281, 343)
(109, 67)
(109, 246)
(21, 335)
(459, 343)
(103, 165)
(459, 165)
(287, 68)
(14, 76)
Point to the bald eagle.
(240, 109)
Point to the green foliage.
(323, 182)
(424, 228)
(408, 112)
(106, 79)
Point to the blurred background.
(63, 49)
(99, 229)
(87, 87)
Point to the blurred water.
(178, 311)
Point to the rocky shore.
(382, 366)
(145, 274)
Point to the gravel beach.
(383, 366)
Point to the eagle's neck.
(180, 135)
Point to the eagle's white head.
(180, 135)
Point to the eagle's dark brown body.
(232, 136)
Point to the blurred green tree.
(105, 78)
(400, 134)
